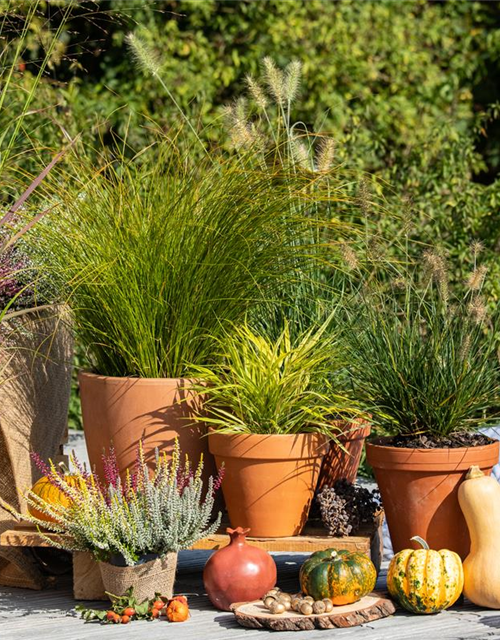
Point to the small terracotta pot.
(269, 480)
(121, 411)
(419, 490)
(238, 572)
(343, 463)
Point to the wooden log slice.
(255, 616)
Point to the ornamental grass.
(423, 358)
(274, 386)
(156, 511)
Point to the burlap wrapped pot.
(156, 576)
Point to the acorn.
(328, 605)
(286, 603)
(285, 596)
(319, 607)
(277, 608)
(306, 608)
(268, 601)
(308, 599)
(296, 602)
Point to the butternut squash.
(479, 498)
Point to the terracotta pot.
(121, 411)
(419, 491)
(269, 480)
(238, 572)
(343, 463)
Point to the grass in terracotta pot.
(424, 362)
(268, 404)
(157, 255)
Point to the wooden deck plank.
(49, 615)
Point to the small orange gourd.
(479, 498)
(51, 494)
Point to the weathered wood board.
(372, 607)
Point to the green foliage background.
(408, 88)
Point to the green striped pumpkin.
(342, 576)
(424, 580)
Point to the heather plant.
(274, 386)
(423, 358)
(150, 512)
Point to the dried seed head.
(349, 256)
(438, 270)
(257, 92)
(364, 196)
(399, 283)
(476, 247)
(274, 79)
(326, 154)
(465, 348)
(144, 54)
(300, 153)
(476, 279)
(242, 134)
(477, 310)
(291, 83)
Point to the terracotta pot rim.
(276, 446)
(383, 456)
(135, 379)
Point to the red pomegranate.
(238, 572)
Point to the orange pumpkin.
(51, 494)
(177, 611)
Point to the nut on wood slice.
(254, 615)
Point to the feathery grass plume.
(257, 92)
(465, 348)
(326, 153)
(438, 270)
(349, 257)
(300, 153)
(364, 197)
(477, 247)
(241, 132)
(478, 310)
(291, 81)
(150, 63)
(156, 510)
(476, 278)
(275, 79)
(145, 56)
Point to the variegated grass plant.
(274, 386)
(157, 511)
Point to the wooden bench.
(87, 584)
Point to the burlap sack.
(157, 576)
(36, 353)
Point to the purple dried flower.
(42, 466)
(218, 480)
(111, 471)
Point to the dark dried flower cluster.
(346, 507)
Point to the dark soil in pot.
(454, 441)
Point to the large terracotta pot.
(419, 490)
(119, 412)
(269, 480)
(342, 462)
(238, 572)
